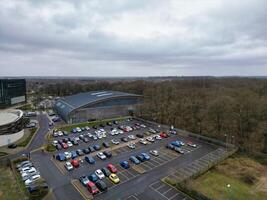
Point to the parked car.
(154, 152)
(108, 154)
(80, 152)
(106, 144)
(140, 135)
(86, 151)
(84, 180)
(170, 146)
(163, 135)
(12, 146)
(106, 171)
(74, 154)
(191, 144)
(146, 156)
(112, 168)
(101, 185)
(89, 159)
(150, 139)
(131, 145)
(131, 137)
(91, 149)
(124, 139)
(116, 142)
(32, 179)
(68, 166)
(143, 141)
(179, 150)
(97, 147)
(75, 163)
(134, 160)
(100, 174)
(92, 188)
(124, 164)
(101, 156)
(114, 178)
(93, 177)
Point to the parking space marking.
(167, 191)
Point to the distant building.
(96, 105)
(12, 92)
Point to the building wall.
(12, 91)
(10, 138)
(101, 113)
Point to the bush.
(50, 148)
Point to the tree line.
(229, 109)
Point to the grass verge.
(26, 140)
(236, 178)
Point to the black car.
(91, 149)
(107, 154)
(115, 122)
(12, 146)
(80, 152)
(86, 151)
(124, 139)
(85, 139)
(106, 171)
(94, 127)
(65, 140)
(101, 185)
(58, 147)
(106, 144)
(109, 123)
(140, 135)
(141, 158)
(170, 146)
(102, 125)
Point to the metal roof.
(67, 104)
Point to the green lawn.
(9, 190)
(214, 185)
(25, 140)
(93, 123)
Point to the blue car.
(134, 160)
(74, 154)
(93, 177)
(60, 157)
(125, 164)
(74, 130)
(176, 143)
(97, 147)
(89, 159)
(145, 156)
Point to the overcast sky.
(133, 37)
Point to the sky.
(133, 37)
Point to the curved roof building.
(96, 105)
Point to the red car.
(92, 188)
(112, 168)
(163, 135)
(64, 145)
(75, 163)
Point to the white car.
(191, 144)
(132, 137)
(60, 133)
(154, 152)
(120, 132)
(100, 174)
(150, 139)
(78, 129)
(87, 128)
(69, 144)
(115, 142)
(67, 155)
(131, 145)
(142, 125)
(68, 166)
(77, 139)
(142, 141)
(157, 137)
(55, 134)
(101, 156)
(32, 179)
(55, 143)
(27, 170)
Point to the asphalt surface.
(138, 186)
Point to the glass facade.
(12, 91)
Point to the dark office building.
(12, 91)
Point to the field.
(9, 190)
(236, 178)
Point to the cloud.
(133, 38)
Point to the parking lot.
(137, 181)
